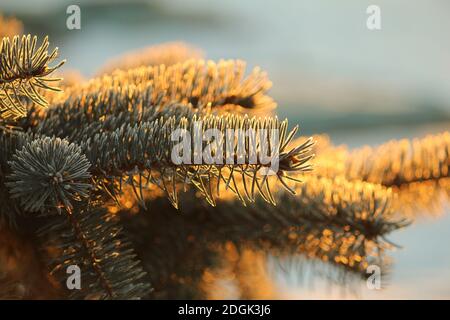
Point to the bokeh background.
(330, 74)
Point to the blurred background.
(330, 74)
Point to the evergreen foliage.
(24, 72)
(74, 175)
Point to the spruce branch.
(146, 150)
(49, 173)
(224, 86)
(395, 163)
(90, 238)
(336, 220)
(24, 71)
(117, 129)
(106, 109)
(342, 223)
(166, 53)
(416, 169)
(401, 162)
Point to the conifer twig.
(404, 161)
(339, 222)
(106, 109)
(224, 85)
(49, 173)
(92, 240)
(336, 220)
(393, 164)
(24, 71)
(146, 150)
(417, 169)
